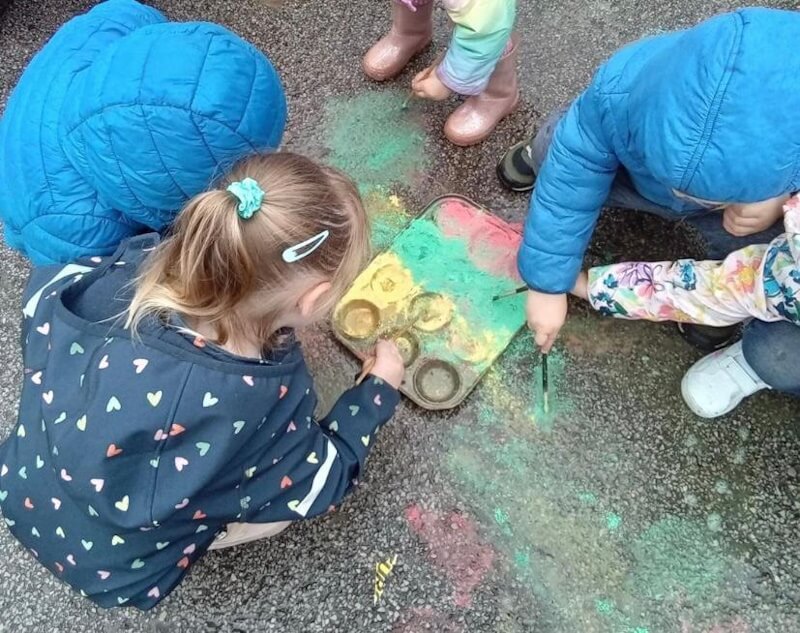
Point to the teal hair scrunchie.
(250, 196)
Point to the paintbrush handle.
(369, 365)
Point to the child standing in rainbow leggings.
(480, 63)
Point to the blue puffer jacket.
(713, 112)
(121, 118)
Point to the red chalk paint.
(455, 547)
(493, 243)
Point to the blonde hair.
(215, 266)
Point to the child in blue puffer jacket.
(119, 120)
(167, 409)
(698, 125)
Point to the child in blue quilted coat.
(167, 409)
(479, 64)
(119, 120)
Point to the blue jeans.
(771, 349)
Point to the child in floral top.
(759, 281)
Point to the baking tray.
(431, 292)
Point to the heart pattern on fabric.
(250, 472)
(181, 463)
(123, 504)
(248, 380)
(113, 450)
(103, 363)
(292, 427)
(61, 417)
(65, 475)
(199, 515)
(140, 364)
(365, 440)
(60, 532)
(154, 462)
(286, 482)
(75, 348)
(209, 400)
(312, 459)
(35, 532)
(117, 540)
(137, 564)
(47, 396)
(160, 435)
(182, 504)
(56, 503)
(3, 470)
(189, 549)
(36, 378)
(161, 545)
(71, 560)
(377, 400)
(43, 329)
(28, 503)
(21, 430)
(154, 397)
(293, 505)
(154, 593)
(93, 512)
(23, 472)
(334, 426)
(104, 575)
(202, 448)
(98, 484)
(39, 462)
(238, 426)
(3, 495)
(282, 392)
(176, 429)
(354, 409)
(113, 404)
(183, 562)
(81, 423)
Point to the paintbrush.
(408, 100)
(545, 386)
(511, 293)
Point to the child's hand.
(747, 219)
(546, 315)
(389, 364)
(427, 85)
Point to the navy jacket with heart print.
(130, 455)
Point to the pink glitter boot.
(411, 32)
(478, 116)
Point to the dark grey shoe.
(707, 338)
(514, 169)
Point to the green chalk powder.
(373, 140)
(387, 215)
(604, 607)
(613, 521)
(587, 498)
(675, 558)
(442, 265)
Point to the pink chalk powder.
(493, 243)
(455, 547)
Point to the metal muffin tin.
(431, 382)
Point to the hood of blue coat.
(165, 110)
(716, 115)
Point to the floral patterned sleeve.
(761, 281)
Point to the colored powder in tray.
(443, 265)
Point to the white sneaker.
(716, 384)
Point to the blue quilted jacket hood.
(121, 118)
(711, 112)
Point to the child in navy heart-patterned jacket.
(166, 407)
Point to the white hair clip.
(304, 249)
